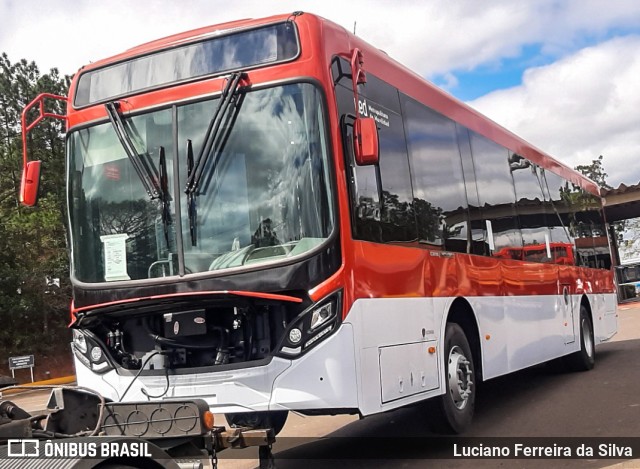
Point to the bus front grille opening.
(194, 336)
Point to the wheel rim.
(460, 378)
(586, 337)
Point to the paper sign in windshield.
(115, 257)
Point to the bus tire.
(585, 358)
(274, 419)
(452, 412)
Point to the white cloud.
(438, 36)
(580, 107)
(583, 105)
(431, 37)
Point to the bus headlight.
(322, 315)
(90, 352)
(79, 341)
(314, 324)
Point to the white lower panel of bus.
(379, 359)
(515, 332)
(323, 378)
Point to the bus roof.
(381, 64)
(409, 82)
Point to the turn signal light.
(207, 420)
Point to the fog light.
(295, 335)
(96, 354)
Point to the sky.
(562, 74)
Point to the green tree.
(595, 171)
(33, 312)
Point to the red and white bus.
(274, 215)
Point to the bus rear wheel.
(585, 358)
(275, 420)
(452, 412)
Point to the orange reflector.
(207, 420)
(487, 337)
(431, 350)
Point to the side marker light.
(208, 420)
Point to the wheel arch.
(461, 313)
(584, 358)
(584, 301)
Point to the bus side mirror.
(30, 183)
(365, 141)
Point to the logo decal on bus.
(365, 109)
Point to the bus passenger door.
(566, 306)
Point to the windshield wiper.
(156, 187)
(145, 174)
(214, 141)
(191, 199)
(164, 195)
(212, 138)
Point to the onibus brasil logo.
(29, 448)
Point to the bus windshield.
(264, 196)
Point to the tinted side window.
(601, 240)
(381, 196)
(559, 219)
(440, 202)
(397, 217)
(532, 212)
(477, 229)
(589, 228)
(364, 181)
(497, 196)
(381, 92)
